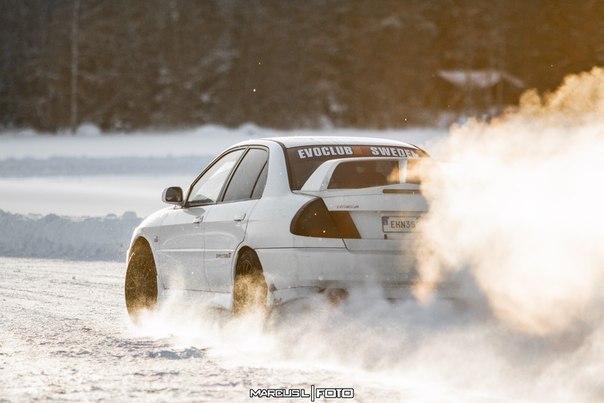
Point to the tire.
(140, 288)
(250, 291)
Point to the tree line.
(126, 65)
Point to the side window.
(208, 187)
(246, 178)
(259, 188)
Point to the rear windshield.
(364, 174)
(303, 161)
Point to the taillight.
(345, 225)
(313, 219)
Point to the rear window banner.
(344, 151)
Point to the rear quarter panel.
(269, 222)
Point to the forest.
(158, 64)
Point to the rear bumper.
(299, 272)
(336, 267)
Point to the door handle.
(198, 219)
(239, 217)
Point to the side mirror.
(172, 195)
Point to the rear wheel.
(250, 291)
(140, 288)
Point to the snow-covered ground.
(87, 195)
(65, 337)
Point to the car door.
(226, 222)
(181, 238)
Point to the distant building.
(477, 92)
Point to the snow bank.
(53, 236)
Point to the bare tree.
(73, 102)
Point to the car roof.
(301, 141)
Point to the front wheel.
(250, 291)
(140, 289)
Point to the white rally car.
(271, 220)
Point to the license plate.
(399, 224)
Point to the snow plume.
(519, 204)
(401, 351)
